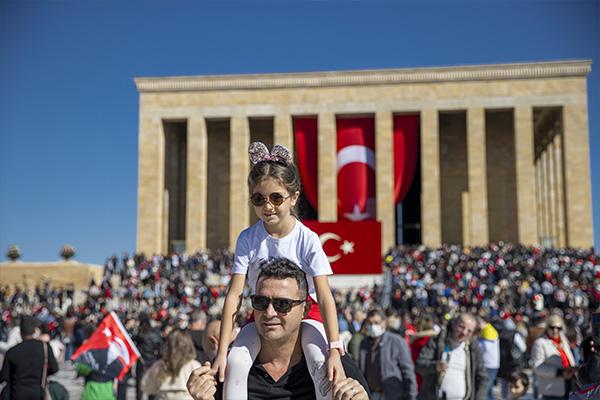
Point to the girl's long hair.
(179, 350)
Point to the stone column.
(239, 212)
(560, 190)
(552, 193)
(525, 176)
(538, 198)
(151, 181)
(466, 218)
(476, 156)
(431, 213)
(578, 196)
(544, 198)
(197, 177)
(327, 162)
(284, 133)
(384, 161)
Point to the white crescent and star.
(347, 155)
(346, 247)
(356, 154)
(116, 348)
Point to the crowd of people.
(528, 308)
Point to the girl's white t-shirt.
(301, 245)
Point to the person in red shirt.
(419, 338)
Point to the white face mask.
(394, 323)
(375, 330)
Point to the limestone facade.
(504, 152)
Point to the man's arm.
(5, 373)
(407, 369)
(481, 376)
(52, 364)
(426, 362)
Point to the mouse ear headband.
(258, 152)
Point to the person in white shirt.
(274, 188)
(452, 365)
(489, 342)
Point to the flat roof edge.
(539, 70)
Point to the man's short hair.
(376, 311)
(282, 268)
(28, 325)
(464, 317)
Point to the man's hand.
(348, 388)
(568, 373)
(202, 384)
(335, 369)
(442, 366)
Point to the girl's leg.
(314, 345)
(244, 351)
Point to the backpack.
(58, 391)
(512, 358)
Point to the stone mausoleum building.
(502, 152)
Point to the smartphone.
(596, 327)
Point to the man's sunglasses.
(281, 305)
(275, 198)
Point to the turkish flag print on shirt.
(356, 168)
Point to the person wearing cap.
(552, 360)
(23, 369)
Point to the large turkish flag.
(351, 247)
(356, 168)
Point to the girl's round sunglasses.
(280, 304)
(275, 199)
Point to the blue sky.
(68, 104)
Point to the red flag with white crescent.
(406, 152)
(110, 352)
(305, 133)
(356, 168)
(351, 247)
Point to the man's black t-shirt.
(23, 368)
(295, 384)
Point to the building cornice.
(539, 70)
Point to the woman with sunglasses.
(274, 186)
(552, 360)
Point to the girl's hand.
(335, 370)
(218, 367)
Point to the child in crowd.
(274, 186)
(518, 385)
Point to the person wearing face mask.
(394, 323)
(385, 360)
